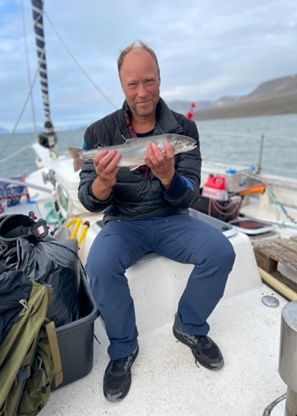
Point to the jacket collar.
(166, 123)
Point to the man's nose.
(141, 89)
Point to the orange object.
(257, 189)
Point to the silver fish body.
(133, 150)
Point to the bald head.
(138, 61)
(136, 45)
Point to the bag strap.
(54, 346)
(3, 409)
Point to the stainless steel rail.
(288, 355)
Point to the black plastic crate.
(222, 210)
(76, 339)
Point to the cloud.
(205, 49)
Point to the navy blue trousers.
(182, 238)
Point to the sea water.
(237, 141)
(243, 141)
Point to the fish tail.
(78, 162)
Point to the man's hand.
(105, 164)
(161, 164)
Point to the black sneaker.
(117, 377)
(205, 351)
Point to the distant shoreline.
(201, 115)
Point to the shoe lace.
(202, 340)
(120, 365)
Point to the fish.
(134, 150)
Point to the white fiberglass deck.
(166, 380)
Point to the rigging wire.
(15, 153)
(78, 64)
(30, 95)
(31, 85)
(20, 116)
(28, 67)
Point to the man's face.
(140, 82)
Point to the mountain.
(183, 106)
(278, 96)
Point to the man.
(146, 210)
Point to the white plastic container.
(236, 181)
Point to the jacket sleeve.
(87, 177)
(185, 185)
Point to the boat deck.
(167, 381)
(165, 377)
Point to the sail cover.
(48, 137)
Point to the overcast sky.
(206, 50)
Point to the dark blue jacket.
(135, 196)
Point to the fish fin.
(135, 167)
(78, 162)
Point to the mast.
(48, 137)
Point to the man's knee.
(228, 253)
(221, 251)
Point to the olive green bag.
(29, 358)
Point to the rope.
(77, 63)
(51, 217)
(273, 197)
(223, 209)
(278, 203)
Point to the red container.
(216, 182)
(215, 187)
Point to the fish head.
(182, 144)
